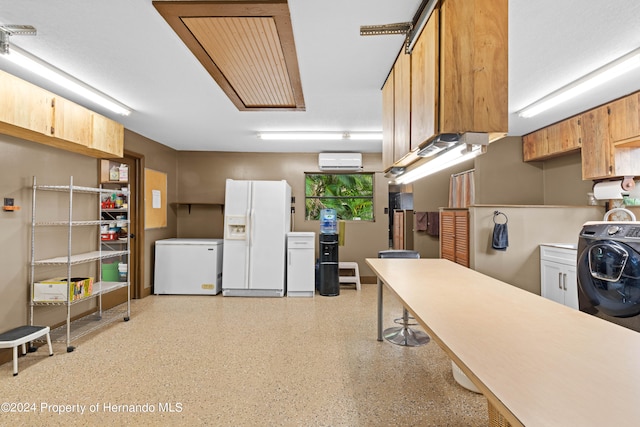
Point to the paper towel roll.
(608, 190)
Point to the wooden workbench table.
(537, 362)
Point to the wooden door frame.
(137, 229)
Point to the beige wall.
(202, 175)
(528, 227)
(163, 159)
(19, 161)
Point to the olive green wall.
(201, 179)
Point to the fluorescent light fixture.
(596, 78)
(320, 136)
(452, 157)
(36, 65)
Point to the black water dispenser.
(329, 274)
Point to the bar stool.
(404, 335)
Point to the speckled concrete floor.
(229, 361)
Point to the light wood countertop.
(538, 362)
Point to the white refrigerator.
(188, 266)
(256, 221)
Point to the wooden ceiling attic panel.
(247, 47)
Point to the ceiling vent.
(340, 161)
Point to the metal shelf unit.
(72, 330)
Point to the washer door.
(609, 275)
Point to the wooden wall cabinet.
(624, 119)
(474, 64)
(24, 107)
(608, 149)
(560, 138)
(32, 113)
(388, 122)
(72, 122)
(454, 235)
(425, 90)
(454, 81)
(107, 136)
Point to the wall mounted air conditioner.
(340, 161)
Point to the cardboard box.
(55, 290)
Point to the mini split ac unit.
(340, 161)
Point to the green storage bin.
(110, 272)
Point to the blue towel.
(500, 237)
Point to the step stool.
(355, 279)
(20, 336)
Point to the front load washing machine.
(609, 271)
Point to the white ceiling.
(126, 49)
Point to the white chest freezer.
(188, 266)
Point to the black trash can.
(329, 274)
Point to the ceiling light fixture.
(596, 78)
(320, 136)
(452, 157)
(43, 69)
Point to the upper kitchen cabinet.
(474, 66)
(72, 122)
(560, 138)
(608, 147)
(597, 161)
(388, 121)
(402, 106)
(107, 136)
(32, 113)
(424, 82)
(458, 77)
(24, 108)
(624, 120)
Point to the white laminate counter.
(539, 363)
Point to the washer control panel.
(614, 230)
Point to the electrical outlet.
(293, 209)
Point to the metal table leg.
(379, 309)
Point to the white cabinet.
(301, 264)
(558, 274)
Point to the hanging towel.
(433, 223)
(500, 240)
(421, 221)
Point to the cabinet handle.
(559, 280)
(564, 279)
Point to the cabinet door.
(72, 122)
(447, 235)
(474, 66)
(462, 237)
(454, 236)
(402, 105)
(25, 105)
(388, 127)
(564, 137)
(570, 286)
(424, 83)
(624, 118)
(534, 145)
(596, 145)
(551, 274)
(107, 136)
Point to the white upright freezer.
(301, 269)
(188, 266)
(257, 217)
